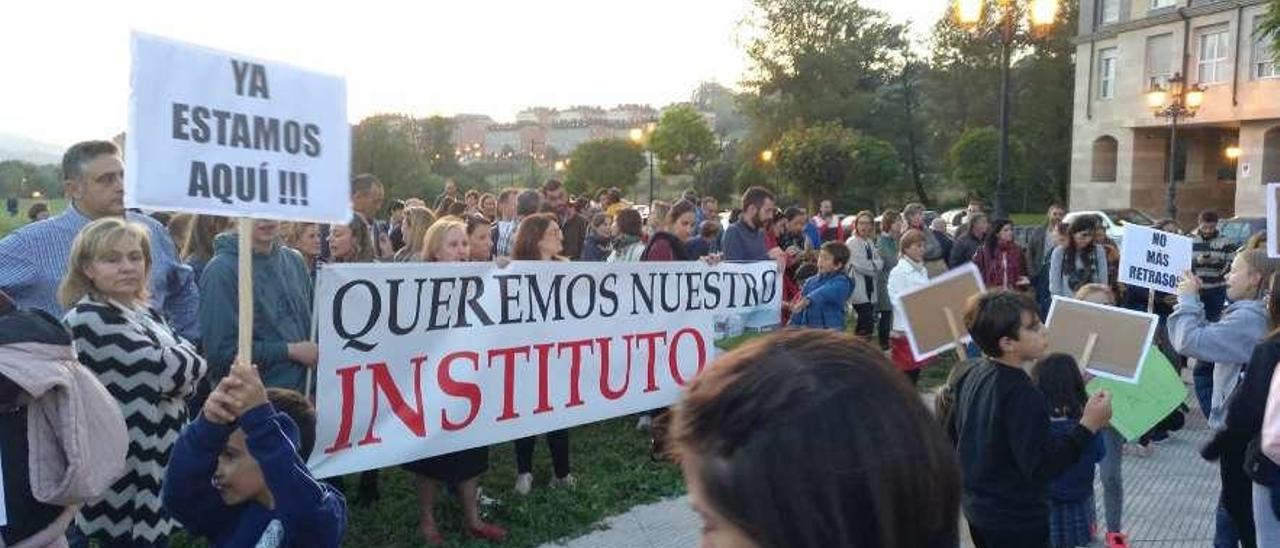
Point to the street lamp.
(638, 137)
(1232, 153)
(1174, 101)
(1043, 14)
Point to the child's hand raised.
(221, 407)
(1097, 411)
(248, 388)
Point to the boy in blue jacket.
(237, 474)
(821, 303)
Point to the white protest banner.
(224, 134)
(1153, 259)
(418, 360)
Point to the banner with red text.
(421, 359)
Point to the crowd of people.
(217, 443)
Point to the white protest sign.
(1153, 259)
(419, 360)
(224, 134)
(1273, 227)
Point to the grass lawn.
(9, 223)
(1027, 219)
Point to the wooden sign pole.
(244, 331)
(1087, 356)
(1151, 301)
(315, 338)
(956, 333)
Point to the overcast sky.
(66, 63)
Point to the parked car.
(1113, 220)
(1239, 229)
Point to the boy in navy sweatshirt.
(1000, 425)
(237, 474)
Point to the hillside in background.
(17, 147)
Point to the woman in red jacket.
(1000, 259)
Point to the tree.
(876, 166)
(681, 140)
(897, 118)
(715, 178)
(974, 162)
(1269, 27)
(384, 145)
(715, 98)
(597, 165)
(433, 140)
(20, 178)
(816, 61)
(817, 160)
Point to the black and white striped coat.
(150, 370)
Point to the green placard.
(1135, 408)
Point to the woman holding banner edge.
(539, 239)
(447, 242)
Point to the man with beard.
(744, 240)
(824, 227)
(574, 226)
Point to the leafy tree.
(817, 160)
(816, 61)
(898, 119)
(1269, 27)
(20, 178)
(750, 174)
(975, 164)
(384, 145)
(433, 139)
(716, 178)
(876, 166)
(681, 140)
(713, 97)
(604, 163)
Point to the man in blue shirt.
(744, 240)
(33, 259)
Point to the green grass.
(1027, 219)
(610, 461)
(10, 223)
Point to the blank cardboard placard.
(1273, 226)
(927, 326)
(1123, 337)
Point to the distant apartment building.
(1120, 149)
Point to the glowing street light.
(969, 12)
(766, 156)
(1232, 153)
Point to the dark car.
(1239, 229)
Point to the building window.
(1105, 157)
(1264, 63)
(1157, 4)
(1159, 60)
(1108, 12)
(1107, 73)
(1211, 55)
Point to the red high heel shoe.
(1117, 540)
(431, 535)
(487, 531)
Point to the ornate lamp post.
(1042, 16)
(1175, 101)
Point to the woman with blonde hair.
(416, 222)
(446, 242)
(305, 239)
(144, 364)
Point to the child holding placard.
(1228, 344)
(1111, 463)
(1000, 425)
(1071, 508)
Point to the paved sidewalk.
(1169, 503)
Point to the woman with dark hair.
(539, 239)
(628, 244)
(1080, 261)
(38, 211)
(667, 242)
(808, 439)
(867, 269)
(599, 241)
(479, 238)
(1000, 259)
(351, 243)
(891, 227)
(197, 249)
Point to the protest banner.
(1137, 407)
(225, 134)
(1107, 341)
(1273, 226)
(933, 312)
(1153, 259)
(418, 360)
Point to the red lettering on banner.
(544, 366)
(652, 358)
(672, 353)
(508, 356)
(467, 390)
(575, 367)
(415, 421)
(609, 393)
(343, 441)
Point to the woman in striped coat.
(142, 361)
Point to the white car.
(1113, 220)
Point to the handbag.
(1270, 437)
